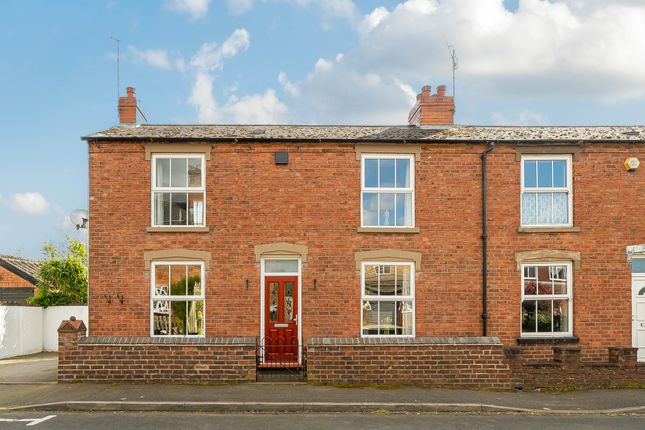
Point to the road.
(375, 421)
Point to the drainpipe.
(484, 155)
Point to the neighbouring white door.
(638, 314)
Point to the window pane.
(162, 208)
(371, 172)
(387, 318)
(529, 209)
(178, 209)
(178, 280)
(545, 174)
(178, 172)
(178, 318)
(559, 276)
(544, 203)
(194, 172)
(161, 317)
(530, 174)
(404, 316)
(402, 280)
(196, 209)
(386, 280)
(163, 172)
(288, 301)
(386, 209)
(387, 173)
(402, 173)
(559, 173)
(194, 280)
(560, 315)
(544, 315)
(161, 280)
(528, 316)
(560, 208)
(273, 301)
(545, 285)
(370, 317)
(281, 266)
(370, 209)
(371, 281)
(530, 287)
(404, 210)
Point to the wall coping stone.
(134, 340)
(358, 341)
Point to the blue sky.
(521, 62)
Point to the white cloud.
(249, 109)
(253, 108)
(210, 55)
(288, 86)
(30, 203)
(156, 58)
(195, 8)
(589, 50)
(524, 117)
(237, 7)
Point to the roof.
(457, 133)
(25, 268)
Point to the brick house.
(18, 278)
(425, 253)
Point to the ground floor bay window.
(387, 299)
(177, 304)
(546, 300)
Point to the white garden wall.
(31, 329)
(52, 317)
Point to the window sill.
(548, 230)
(388, 230)
(178, 229)
(547, 340)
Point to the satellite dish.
(79, 218)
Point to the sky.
(520, 62)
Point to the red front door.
(281, 321)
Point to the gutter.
(484, 155)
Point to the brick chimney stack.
(128, 108)
(433, 109)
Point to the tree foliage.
(63, 275)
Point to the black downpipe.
(491, 146)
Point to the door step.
(273, 374)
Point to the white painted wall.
(31, 329)
(21, 330)
(52, 317)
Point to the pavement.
(29, 369)
(19, 392)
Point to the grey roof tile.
(370, 133)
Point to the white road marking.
(30, 421)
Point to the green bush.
(62, 277)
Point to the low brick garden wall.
(476, 362)
(566, 370)
(152, 360)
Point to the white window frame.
(568, 296)
(155, 189)
(154, 297)
(379, 190)
(568, 189)
(380, 298)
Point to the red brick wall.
(315, 201)
(11, 280)
(151, 360)
(420, 362)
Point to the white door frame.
(264, 274)
(637, 278)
